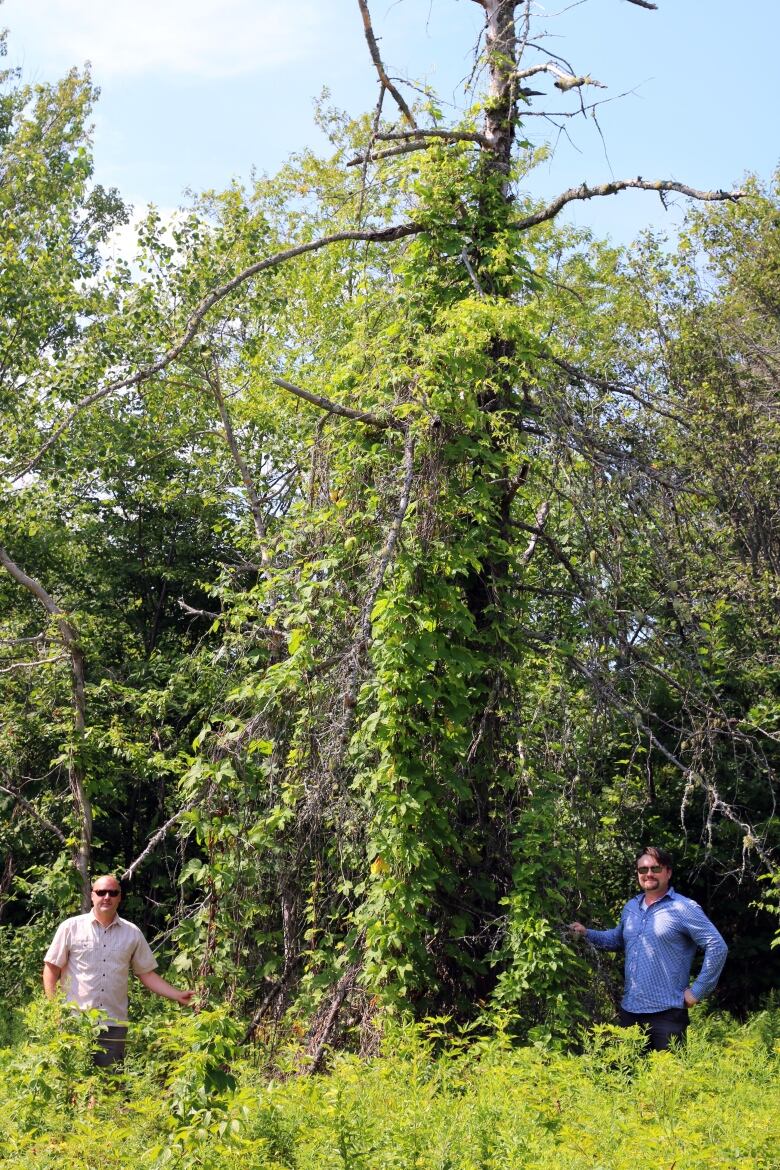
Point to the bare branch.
(541, 520)
(584, 378)
(32, 665)
(373, 49)
(372, 420)
(207, 613)
(376, 235)
(418, 140)
(32, 810)
(444, 135)
(157, 837)
(586, 192)
(644, 4)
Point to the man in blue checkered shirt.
(660, 932)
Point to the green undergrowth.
(428, 1102)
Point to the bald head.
(106, 896)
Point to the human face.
(104, 904)
(653, 885)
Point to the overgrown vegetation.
(381, 564)
(435, 1098)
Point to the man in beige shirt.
(91, 956)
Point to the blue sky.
(196, 92)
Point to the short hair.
(661, 855)
(106, 877)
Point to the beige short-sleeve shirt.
(95, 961)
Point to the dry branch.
(373, 49)
(364, 416)
(586, 192)
(32, 810)
(33, 664)
(417, 140)
(157, 837)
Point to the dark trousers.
(659, 1027)
(110, 1047)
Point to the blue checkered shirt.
(660, 942)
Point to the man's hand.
(160, 986)
(577, 928)
(689, 997)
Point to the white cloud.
(204, 38)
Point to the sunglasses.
(106, 893)
(649, 868)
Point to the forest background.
(383, 561)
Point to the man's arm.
(159, 986)
(605, 940)
(51, 978)
(709, 938)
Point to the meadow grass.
(425, 1103)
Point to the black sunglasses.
(649, 868)
(106, 893)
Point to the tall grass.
(427, 1103)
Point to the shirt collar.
(94, 918)
(670, 893)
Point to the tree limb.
(157, 837)
(418, 140)
(32, 665)
(373, 49)
(586, 192)
(32, 810)
(375, 235)
(364, 416)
